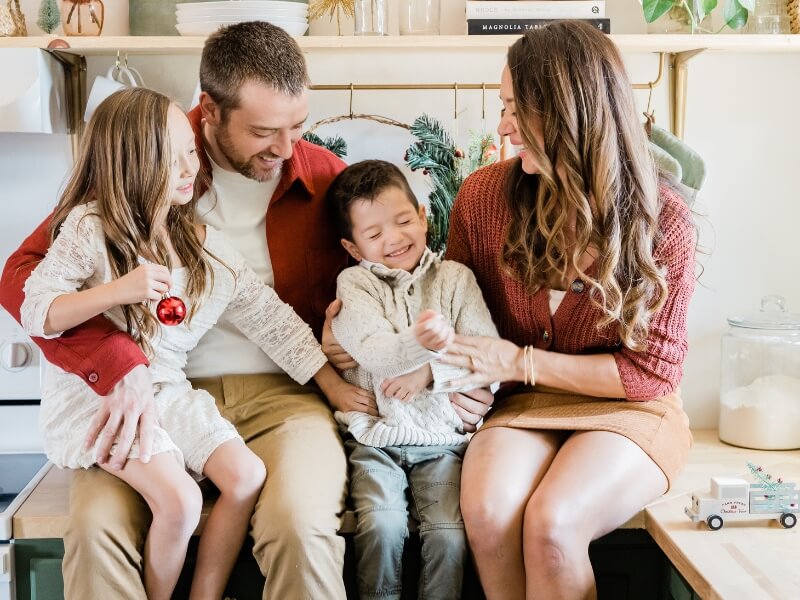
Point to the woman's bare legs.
(596, 482)
(239, 475)
(175, 501)
(501, 469)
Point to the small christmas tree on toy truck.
(736, 499)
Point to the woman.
(586, 262)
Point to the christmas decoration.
(171, 310)
(765, 479)
(437, 156)
(335, 144)
(317, 8)
(49, 17)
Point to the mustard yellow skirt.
(659, 427)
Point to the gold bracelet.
(525, 365)
(531, 365)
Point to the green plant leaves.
(653, 9)
(735, 14)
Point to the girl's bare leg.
(239, 475)
(175, 501)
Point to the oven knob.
(16, 355)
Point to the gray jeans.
(380, 479)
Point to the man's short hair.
(364, 180)
(252, 51)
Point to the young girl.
(124, 236)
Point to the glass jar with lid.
(760, 385)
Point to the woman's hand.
(433, 331)
(145, 282)
(336, 355)
(406, 387)
(489, 359)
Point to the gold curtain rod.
(460, 86)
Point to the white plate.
(296, 29)
(297, 9)
(252, 15)
(228, 18)
(241, 4)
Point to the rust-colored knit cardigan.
(477, 232)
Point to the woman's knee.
(551, 534)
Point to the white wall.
(741, 117)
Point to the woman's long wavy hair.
(569, 84)
(124, 166)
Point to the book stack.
(510, 17)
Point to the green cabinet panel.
(628, 566)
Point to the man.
(261, 179)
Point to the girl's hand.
(145, 282)
(489, 359)
(433, 331)
(406, 387)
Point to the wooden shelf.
(91, 46)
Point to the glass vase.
(372, 17)
(419, 17)
(82, 17)
(682, 17)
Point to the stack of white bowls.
(203, 18)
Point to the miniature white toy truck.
(736, 499)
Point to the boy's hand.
(406, 387)
(145, 282)
(433, 331)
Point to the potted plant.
(693, 16)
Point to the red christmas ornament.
(459, 153)
(171, 310)
(490, 151)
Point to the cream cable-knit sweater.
(78, 259)
(375, 326)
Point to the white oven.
(32, 170)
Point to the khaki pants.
(296, 518)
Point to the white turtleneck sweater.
(375, 326)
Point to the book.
(519, 26)
(535, 9)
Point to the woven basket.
(794, 15)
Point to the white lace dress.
(189, 423)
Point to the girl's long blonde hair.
(124, 166)
(569, 80)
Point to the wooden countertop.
(746, 559)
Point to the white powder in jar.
(764, 415)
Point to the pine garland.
(437, 155)
(335, 144)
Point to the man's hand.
(336, 355)
(129, 409)
(406, 387)
(344, 396)
(472, 406)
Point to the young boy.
(400, 307)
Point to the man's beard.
(244, 167)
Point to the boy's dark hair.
(364, 180)
(251, 51)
